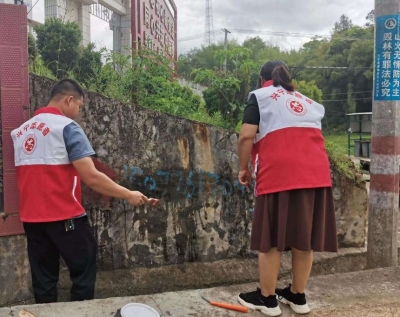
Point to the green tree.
(202, 58)
(36, 64)
(343, 25)
(370, 18)
(88, 66)
(257, 46)
(227, 90)
(198, 58)
(58, 44)
(347, 85)
(147, 79)
(33, 51)
(309, 89)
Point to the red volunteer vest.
(49, 186)
(289, 149)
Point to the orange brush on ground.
(227, 306)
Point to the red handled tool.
(227, 306)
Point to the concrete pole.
(382, 249)
(225, 46)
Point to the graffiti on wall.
(183, 184)
(192, 203)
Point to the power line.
(279, 33)
(308, 35)
(197, 36)
(319, 67)
(335, 115)
(329, 67)
(273, 33)
(345, 93)
(32, 7)
(340, 113)
(291, 67)
(368, 98)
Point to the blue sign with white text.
(387, 58)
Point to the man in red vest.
(52, 155)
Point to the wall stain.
(184, 151)
(205, 157)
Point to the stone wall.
(351, 209)
(204, 214)
(15, 278)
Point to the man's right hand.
(136, 198)
(104, 185)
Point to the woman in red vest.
(294, 209)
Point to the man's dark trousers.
(47, 241)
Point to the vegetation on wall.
(148, 79)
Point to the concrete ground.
(367, 293)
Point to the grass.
(340, 140)
(336, 146)
(341, 143)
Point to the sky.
(303, 17)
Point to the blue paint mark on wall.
(189, 184)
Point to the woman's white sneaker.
(256, 301)
(297, 302)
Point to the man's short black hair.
(67, 87)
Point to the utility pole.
(382, 248)
(225, 45)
